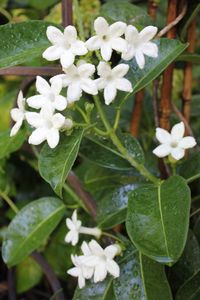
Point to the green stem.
(74, 196)
(9, 202)
(117, 118)
(143, 171)
(82, 113)
(79, 20)
(112, 236)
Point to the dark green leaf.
(190, 289)
(192, 11)
(189, 57)
(158, 219)
(10, 144)
(31, 226)
(55, 164)
(190, 168)
(26, 41)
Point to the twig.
(172, 24)
(187, 85)
(152, 9)
(31, 71)
(183, 119)
(86, 197)
(67, 13)
(50, 275)
(11, 285)
(137, 112)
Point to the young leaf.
(190, 168)
(10, 144)
(55, 164)
(30, 227)
(26, 41)
(158, 219)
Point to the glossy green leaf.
(190, 168)
(124, 11)
(112, 208)
(26, 41)
(141, 278)
(158, 219)
(190, 289)
(189, 57)
(28, 274)
(55, 164)
(10, 144)
(30, 227)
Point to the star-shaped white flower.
(49, 95)
(80, 270)
(47, 126)
(102, 260)
(138, 44)
(173, 143)
(78, 79)
(74, 226)
(107, 38)
(18, 114)
(112, 80)
(65, 45)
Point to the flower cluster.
(79, 76)
(95, 261)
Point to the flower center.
(49, 124)
(105, 38)
(51, 97)
(174, 144)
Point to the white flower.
(65, 45)
(18, 114)
(139, 44)
(112, 80)
(75, 229)
(49, 95)
(173, 143)
(77, 79)
(102, 261)
(47, 126)
(107, 38)
(80, 271)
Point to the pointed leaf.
(190, 168)
(190, 289)
(10, 144)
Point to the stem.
(117, 118)
(82, 114)
(74, 196)
(137, 113)
(67, 13)
(112, 236)
(120, 147)
(79, 20)
(195, 212)
(9, 202)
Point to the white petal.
(129, 54)
(34, 119)
(54, 35)
(74, 272)
(37, 137)
(16, 128)
(69, 237)
(104, 69)
(111, 251)
(74, 92)
(67, 59)
(120, 70)
(53, 137)
(150, 49)
(119, 44)
(148, 33)
(81, 281)
(113, 268)
(70, 34)
(110, 93)
(100, 272)
(75, 239)
(16, 114)
(86, 70)
(85, 249)
(94, 43)
(90, 260)
(100, 83)
(87, 272)
(42, 86)
(20, 100)
(123, 84)
(187, 142)
(58, 121)
(62, 77)
(139, 56)
(177, 131)
(101, 26)
(74, 216)
(117, 29)
(163, 136)
(89, 86)
(177, 153)
(79, 48)
(96, 248)
(36, 101)
(60, 103)
(131, 34)
(162, 150)
(56, 85)
(52, 53)
(106, 51)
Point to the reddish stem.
(67, 12)
(137, 112)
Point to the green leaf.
(55, 164)
(28, 274)
(192, 11)
(190, 289)
(141, 278)
(30, 227)
(112, 208)
(168, 50)
(123, 11)
(189, 57)
(26, 41)
(158, 219)
(42, 4)
(190, 168)
(9, 144)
